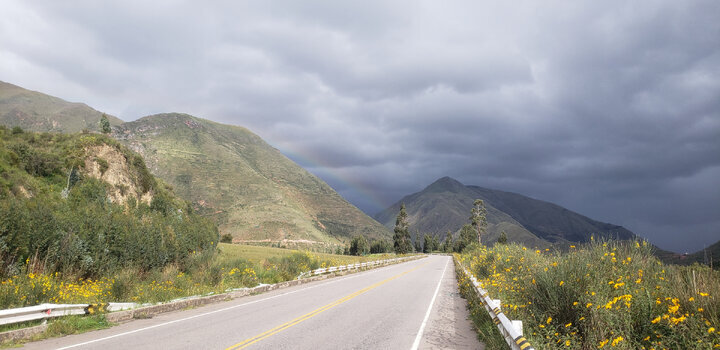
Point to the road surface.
(413, 305)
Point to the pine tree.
(447, 244)
(402, 242)
(479, 219)
(427, 244)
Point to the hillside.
(445, 206)
(85, 205)
(247, 187)
(38, 112)
(231, 175)
(708, 256)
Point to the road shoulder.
(449, 326)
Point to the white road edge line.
(416, 344)
(220, 310)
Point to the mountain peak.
(446, 184)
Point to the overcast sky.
(609, 108)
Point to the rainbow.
(308, 159)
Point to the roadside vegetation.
(614, 294)
(230, 267)
(55, 217)
(63, 240)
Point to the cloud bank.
(611, 109)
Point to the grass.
(484, 326)
(64, 326)
(232, 266)
(261, 254)
(603, 295)
(274, 265)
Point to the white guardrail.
(349, 267)
(45, 311)
(512, 331)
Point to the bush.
(85, 235)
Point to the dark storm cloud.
(611, 109)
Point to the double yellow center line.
(247, 342)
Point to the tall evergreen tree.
(430, 243)
(402, 242)
(447, 244)
(479, 219)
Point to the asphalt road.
(405, 306)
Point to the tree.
(503, 238)
(402, 243)
(380, 246)
(479, 219)
(447, 244)
(359, 246)
(105, 124)
(467, 237)
(427, 244)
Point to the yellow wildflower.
(616, 341)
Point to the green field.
(259, 255)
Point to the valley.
(137, 213)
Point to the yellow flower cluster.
(593, 296)
(32, 289)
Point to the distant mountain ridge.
(250, 189)
(445, 206)
(38, 112)
(709, 256)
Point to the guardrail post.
(517, 324)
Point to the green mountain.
(250, 189)
(230, 175)
(84, 204)
(445, 206)
(35, 111)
